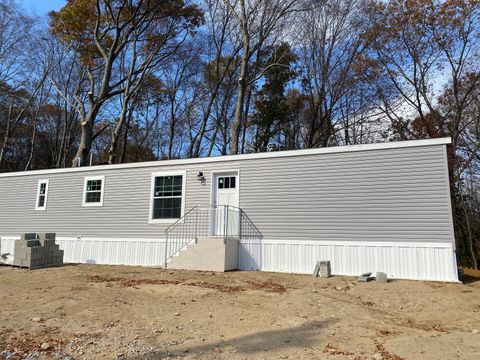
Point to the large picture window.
(167, 197)
(42, 193)
(93, 191)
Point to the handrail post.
(240, 224)
(196, 226)
(225, 215)
(166, 249)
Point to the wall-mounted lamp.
(201, 177)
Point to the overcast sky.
(41, 7)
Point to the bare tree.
(100, 35)
(329, 35)
(257, 20)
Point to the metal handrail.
(198, 222)
(181, 219)
(251, 223)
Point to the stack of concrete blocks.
(37, 251)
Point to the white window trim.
(151, 220)
(44, 207)
(86, 179)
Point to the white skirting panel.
(144, 252)
(420, 261)
(113, 251)
(7, 247)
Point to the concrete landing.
(208, 254)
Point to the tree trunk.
(171, 133)
(6, 137)
(471, 246)
(237, 121)
(241, 89)
(125, 137)
(86, 140)
(197, 142)
(32, 142)
(112, 152)
(247, 108)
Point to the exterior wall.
(376, 210)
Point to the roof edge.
(263, 155)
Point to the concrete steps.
(207, 254)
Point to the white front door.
(226, 194)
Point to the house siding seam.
(377, 196)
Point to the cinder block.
(46, 236)
(325, 269)
(381, 277)
(29, 236)
(32, 243)
(47, 243)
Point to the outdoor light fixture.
(201, 177)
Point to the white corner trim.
(265, 155)
(151, 220)
(44, 207)
(85, 181)
(448, 197)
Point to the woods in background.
(114, 81)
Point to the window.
(168, 197)
(227, 182)
(42, 193)
(93, 191)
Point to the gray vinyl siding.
(398, 194)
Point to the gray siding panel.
(396, 194)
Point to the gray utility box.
(37, 250)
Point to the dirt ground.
(115, 312)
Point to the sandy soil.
(114, 312)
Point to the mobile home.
(376, 207)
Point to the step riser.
(208, 254)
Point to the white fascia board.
(264, 155)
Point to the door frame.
(213, 187)
(214, 175)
